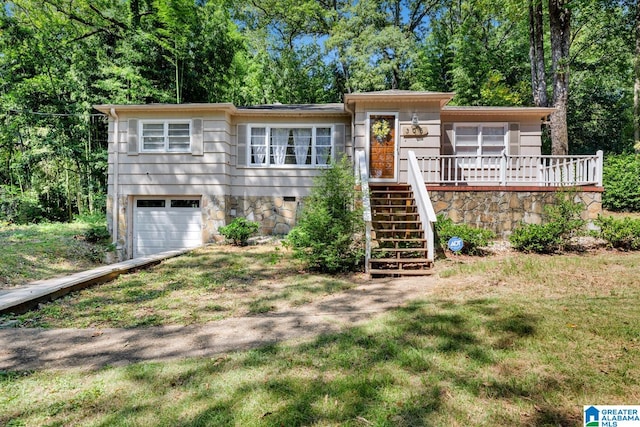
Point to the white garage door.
(164, 224)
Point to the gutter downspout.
(116, 170)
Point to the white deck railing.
(553, 171)
(362, 178)
(423, 202)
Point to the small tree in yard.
(328, 236)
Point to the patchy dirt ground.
(89, 349)
(94, 348)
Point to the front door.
(382, 147)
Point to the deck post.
(599, 168)
(503, 168)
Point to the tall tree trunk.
(134, 8)
(536, 54)
(636, 86)
(560, 26)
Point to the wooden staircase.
(399, 247)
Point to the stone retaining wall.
(275, 215)
(498, 210)
(501, 211)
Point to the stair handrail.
(362, 178)
(423, 202)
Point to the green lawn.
(42, 251)
(207, 284)
(499, 341)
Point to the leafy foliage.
(328, 236)
(474, 238)
(19, 208)
(622, 182)
(97, 233)
(538, 238)
(239, 230)
(620, 233)
(562, 222)
(58, 58)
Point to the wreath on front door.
(381, 130)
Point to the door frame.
(396, 153)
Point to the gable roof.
(399, 95)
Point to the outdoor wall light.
(416, 129)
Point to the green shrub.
(562, 222)
(620, 233)
(328, 235)
(539, 238)
(239, 230)
(19, 208)
(97, 234)
(621, 178)
(473, 238)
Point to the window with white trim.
(165, 136)
(476, 140)
(299, 146)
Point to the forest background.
(60, 57)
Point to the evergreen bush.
(562, 222)
(19, 208)
(239, 230)
(620, 233)
(473, 238)
(621, 179)
(97, 234)
(328, 236)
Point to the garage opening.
(165, 224)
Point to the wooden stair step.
(378, 194)
(386, 198)
(424, 250)
(393, 239)
(394, 187)
(402, 260)
(400, 272)
(397, 213)
(402, 207)
(399, 230)
(384, 221)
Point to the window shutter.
(339, 140)
(132, 141)
(241, 158)
(446, 149)
(197, 148)
(514, 139)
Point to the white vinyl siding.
(290, 145)
(165, 136)
(480, 139)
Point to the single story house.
(177, 172)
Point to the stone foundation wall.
(502, 211)
(275, 215)
(121, 245)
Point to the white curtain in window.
(301, 142)
(258, 147)
(322, 155)
(323, 145)
(280, 138)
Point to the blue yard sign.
(455, 244)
